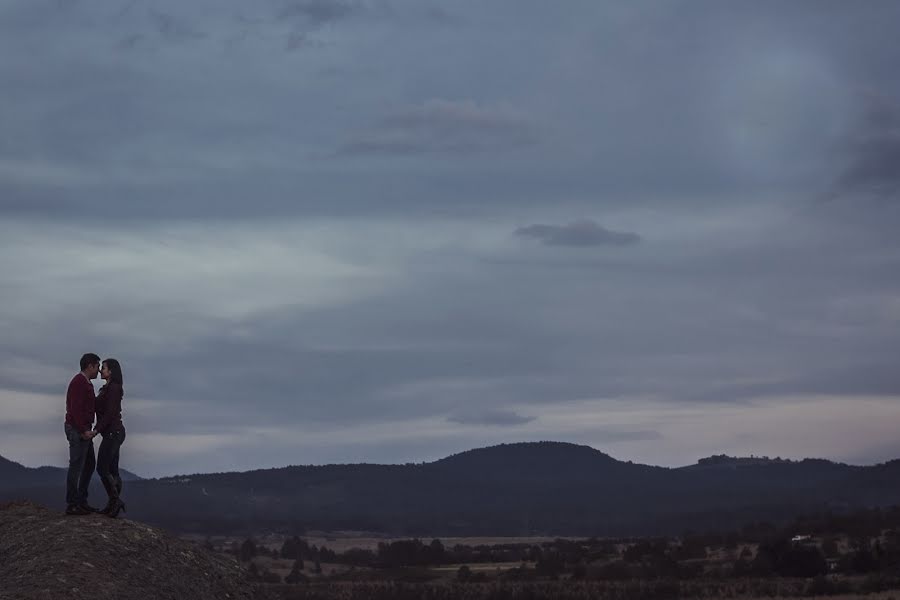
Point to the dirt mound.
(46, 555)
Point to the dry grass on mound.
(47, 555)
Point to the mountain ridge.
(711, 460)
(553, 488)
(14, 474)
(465, 454)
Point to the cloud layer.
(328, 230)
(578, 234)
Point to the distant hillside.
(13, 475)
(513, 489)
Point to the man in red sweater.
(79, 420)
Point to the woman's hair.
(115, 370)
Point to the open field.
(341, 541)
(849, 556)
(648, 590)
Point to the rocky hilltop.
(46, 555)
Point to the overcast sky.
(326, 231)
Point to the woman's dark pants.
(108, 463)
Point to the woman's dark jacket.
(109, 408)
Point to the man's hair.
(89, 359)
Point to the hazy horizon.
(437, 458)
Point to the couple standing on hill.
(81, 407)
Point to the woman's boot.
(116, 507)
(109, 504)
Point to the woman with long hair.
(109, 425)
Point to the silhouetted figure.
(110, 426)
(79, 418)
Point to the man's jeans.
(81, 467)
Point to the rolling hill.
(549, 488)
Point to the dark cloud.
(444, 126)
(490, 417)
(582, 233)
(869, 379)
(130, 41)
(441, 15)
(610, 436)
(172, 28)
(318, 12)
(875, 169)
(873, 153)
